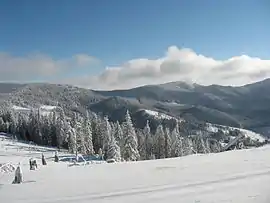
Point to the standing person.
(56, 158)
(18, 175)
(43, 160)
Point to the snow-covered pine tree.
(130, 151)
(118, 134)
(168, 143)
(80, 136)
(46, 130)
(33, 126)
(207, 146)
(141, 143)
(148, 142)
(199, 143)
(215, 146)
(97, 127)
(187, 146)
(61, 126)
(113, 150)
(21, 126)
(53, 129)
(72, 140)
(106, 136)
(177, 145)
(88, 136)
(12, 123)
(159, 145)
(2, 125)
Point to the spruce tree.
(159, 145)
(168, 143)
(148, 141)
(130, 151)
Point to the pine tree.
(148, 142)
(207, 146)
(106, 136)
(177, 145)
(118, 134)
(187, 146)
(61, 126)
(159, 144)
(80, 139)
(72, 140)
(215, 147)
(113, 150)
(130, 151)
(88, 137)
(168, 143)
(33, 126)
(200, 144)
(46, 130)
(97, 127)
(141, 144)
(2, 125)
(21, 126)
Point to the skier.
(43, 160)
(18, 175)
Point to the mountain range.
(245, 106)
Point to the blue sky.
(118, 31)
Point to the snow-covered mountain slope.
(252, 135)
(158, 115)
(235, 176)
(12, 151)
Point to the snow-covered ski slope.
(235, 176)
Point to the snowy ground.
(234, 176)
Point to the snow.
(241, 176)
(158, 114)
(44, 109)
(19, 108)
(47, 108)
(252, 135)
(174, 104)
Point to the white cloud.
(176, 65)
(36, 66)
(179, 65)
(84, 59)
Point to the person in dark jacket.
(43, 160)
(56, 158)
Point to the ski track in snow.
(231, 177)
(184, 190)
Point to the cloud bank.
(38, 66)
(176, 65)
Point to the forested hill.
(246, 106)
(138, 123)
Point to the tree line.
(92, 134)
